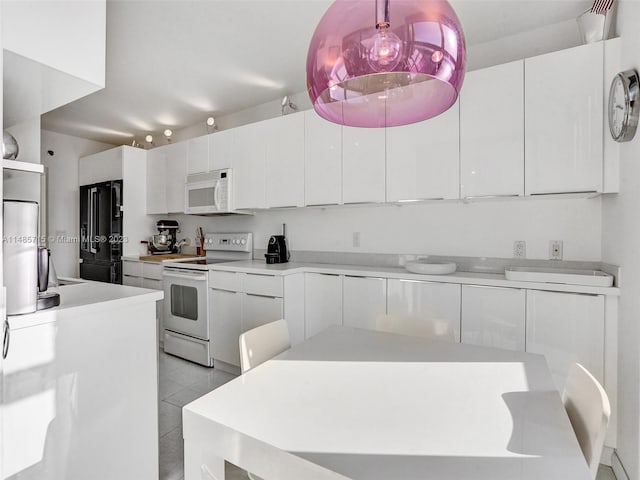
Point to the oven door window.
(184, 302)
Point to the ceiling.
(173, 63)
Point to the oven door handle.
(185, 276)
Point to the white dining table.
(364, 405)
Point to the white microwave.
(209, 193)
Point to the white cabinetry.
(220, 144)
(363, 165)
(492, 132)
(101, 166)
(364, 301)
(146, 275)
(564, 120)
(423, 159)
(285, 161)
(566, 328)
(260, 309)
(176, 172)
(226, 327)
(156, 181)
(249, 165)
(323, 160)
(437, 305)
(198, 155)
(322, 302)
(493, 317)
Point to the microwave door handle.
(216, 195)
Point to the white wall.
(63, 194)
(20, 185)
(483, 229)
(621, 245)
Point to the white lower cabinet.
(493, 317)
(146, 275)
(433, 308)
(226, 318)
(322, 302)
(364, 301)
(259, 309)
(566, 328)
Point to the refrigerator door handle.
(6, 339)
(93, 220)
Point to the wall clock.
(624, 106)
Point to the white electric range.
(187, 318)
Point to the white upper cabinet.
(492, 132)
(285, 161)
(157, 181)
(423, 159)
(176, 175)
(423, 308)
(564, 121)
(567, 328)
(198, 157)
(101, 167)
(364, 301)
(220, 144)
(363, 165)
(323, 160)
(493, 317)
(248, 160)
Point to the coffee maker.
(277, 248)
(166, 239)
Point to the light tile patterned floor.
(181, 382)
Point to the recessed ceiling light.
(211, 121)
(168, 133)
(148, 139)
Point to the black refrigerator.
(101, 231)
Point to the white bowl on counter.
(430, 267)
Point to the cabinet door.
(323, 160)
(563, 120)
(566, 328)
(176, 161)
(198, 159)
(130, 281)
(493, 317)
(156, 181)
(220, 149)
(492, 132)
(322, 302)
(423, 309)
(364, 301)
(285, 161)
(249, 165)
(258, 310)
(423, 160)
(226, 325)
(363, 165)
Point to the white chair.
(262, 343)
(416, 326)
(588, 408)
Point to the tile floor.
(182, 382)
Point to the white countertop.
(369, 405)
(466, 278)
(87, 295)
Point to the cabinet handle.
(491, 287)
(560, 193)
(362, 203)
(364, 276)
(565, 293)
(413, 200)
(6, 339)
(262, 296)
(322, 204)
(480, 197)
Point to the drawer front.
(131, 281)
(229, 281)
(131, 268)
(152, 284)
(269, 285)
(152, 271)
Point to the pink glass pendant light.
(382, 63)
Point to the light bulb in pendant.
(385, 52)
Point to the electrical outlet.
(519, 249)
(555, 250)
(356, 239)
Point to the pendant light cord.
(382, 14)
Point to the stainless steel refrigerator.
(101, 231)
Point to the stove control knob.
(243, 242)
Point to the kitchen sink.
(594, 278)
(430, 267)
